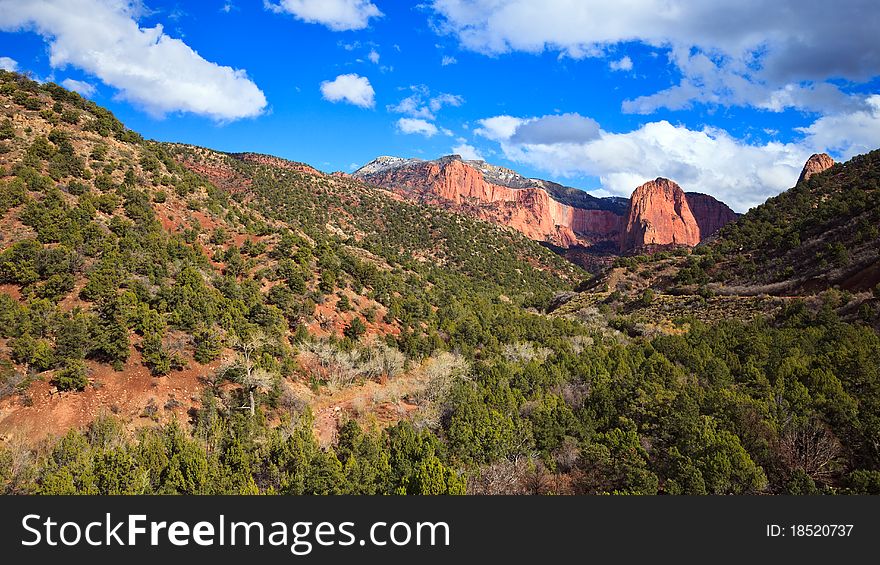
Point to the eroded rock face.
(659, 214)
(711, 214)
(530, 210)
(817, 163)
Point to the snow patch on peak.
(502, 175)
(384, 163)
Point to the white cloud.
(499, 128)
(745, 49)
(623, 64)
(468, 152)
(443, 99)
(338, 15)
(420, 104)
(148, 67)
(373, 56)
(708, 80)
(847, 134)
(8, 64)
(448, 60)
(412, 106)
(350, 88)
(84, 88)
(709, 160)
(415, 125)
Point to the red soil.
(125, 393)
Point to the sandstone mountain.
(659, 214)
(817, 163)
(818, 236)
(582, 225)
(541, 210)
(711, 214)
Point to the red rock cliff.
(711, 214)
(529, 210)
(659, 214)
(816, 164)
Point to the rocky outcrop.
(659, 215)
(817, 163)
(461, 185)
(711, 214)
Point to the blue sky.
(728, 100)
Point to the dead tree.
(244, 369)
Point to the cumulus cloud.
(418, 126)
(707, 160)
(338, 15)
(84, 88)
(148, 67)
(373, 56)
(8, 64)
(499, 128)
(711, 81)
(467, 152)
(421, 108)
(847, 134)
(350, 88)
(564, 128)
(622, 64)
(421, 104)
(756, 47)
(448, 60)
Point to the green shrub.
(73, 376)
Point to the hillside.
(115, 256)
(382, 224)
(818, 241)
(821, 233)
(179, 320)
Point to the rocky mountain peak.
(383, 163)
(501, 196)
(817, 163)
(659, 214)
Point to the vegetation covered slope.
(402, 233)
(106, 233)
(818, 240)
(823, 232)
(278, 304)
